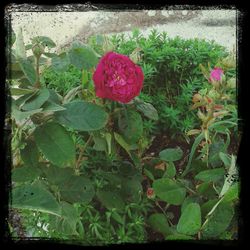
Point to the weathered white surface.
(59, 26)
(63, 27)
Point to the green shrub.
(171, 71)
(62, 82)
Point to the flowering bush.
(94, 171)
(117, 78)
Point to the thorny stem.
(82, 149)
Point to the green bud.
(38, 49)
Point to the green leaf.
(207, 190)
(61, 62)
(111, 199)
(122, 143)
(19, 115)
(36, 101)
(197, 141)
(21, 100)
(100, 143)
(51, 106)
(127, 170)
(210, 175)
(71, 94)
(226, 159)
(54, 97)
(171, 154)
(56, 175)
(28, 70)
(20, 91)
(55, 143)
(148, 110)
(131, 189)
(34, 197)
(190, 220)
(169, 191)
(83, 57)
(117, 217)
(26, 173)
(45, 41)
(159, 223)
(113, 179)
(131, 126)
(77, 189)
(207, 207)
(214, 149)
(68, 220)
(188, 200)
(198, 166)
(232, 193)
(170, 170)
(30, 154)
(218, 221)
(82, 116)
(108, 138)
(149, 174)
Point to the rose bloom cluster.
(117, 78)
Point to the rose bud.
(216, 76)
(150, 193)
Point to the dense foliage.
(96, 171)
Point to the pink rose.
(216, 74)
(117, 78)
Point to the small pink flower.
(216, 74)
(117, 78)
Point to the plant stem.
(38, 85)
(158, 205)
(125, 112)
(188, 188)
(112, 106)
(167, 206)
(82, 149)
